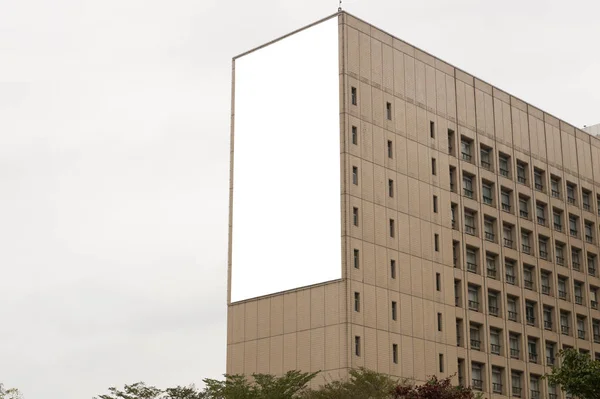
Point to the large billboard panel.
(286, 223)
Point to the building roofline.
(287, 35)
(475, 77)
(560, 120)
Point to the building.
(468, 230)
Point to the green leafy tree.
(10, 393)
(435, 389)
(361, 384)
(140, 390)
(577, 374)
(264, 386)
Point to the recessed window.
(354, 135)
(354, 96)
(438, 282)
(439, 322)
(390, 149)
(435, 204)
(388, 110)
(441, 361)
(355, 175)
(393, 268)
(391, 188)
(433, 167)
(392, 228)
(432, 129)
(394, 310)
(355, 216)
(357, 345)
(357, 301)
(436, 242)
(356, 259)
(395, 353)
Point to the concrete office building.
(469, 233)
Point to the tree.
(139, 390)
(361, 384)
(434, 389)
(10, 393)
(367, 384)
(264, 386)
(577, 374)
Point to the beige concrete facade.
(470, 230)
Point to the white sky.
(114, 130)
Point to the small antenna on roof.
(340, 7)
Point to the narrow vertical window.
(436, 242)
(354, 135)
(357, 345)
(394, 310)
(393, 268)
(432, 129)
(354, 96)
(356, 259)
(392, 228)
(388, 110)
(441, 357)
(435, 204)
(355, 175)
(390, 148)
(433, 167)
(357, 301)
(391, 188)
(395, 353)
(438, 282)
(439, 322)
(355, 216)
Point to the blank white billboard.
(286, 224)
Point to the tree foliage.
(361, 384)
(9, 393)
(577, 374)
(140, 390)
(264, 386)
(434, 389)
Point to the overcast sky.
(114, 134)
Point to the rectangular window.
(357, 345)
(439, 322)
(391, 188)
(392, 228)
(355, 216)
(485, 158)
(388, 110)
(465, 147)
(435, 204)
(357, 301)
(394, 310)
(503, 164)
(432, 129)
(356, 259)
(486, 192)
(441, 361)
(393, 268)
(390, 149)
(355, 175)
(438, 282)
(354, 135)
(433, 167)
(354, 96)
(395, 353)
(436, 242)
